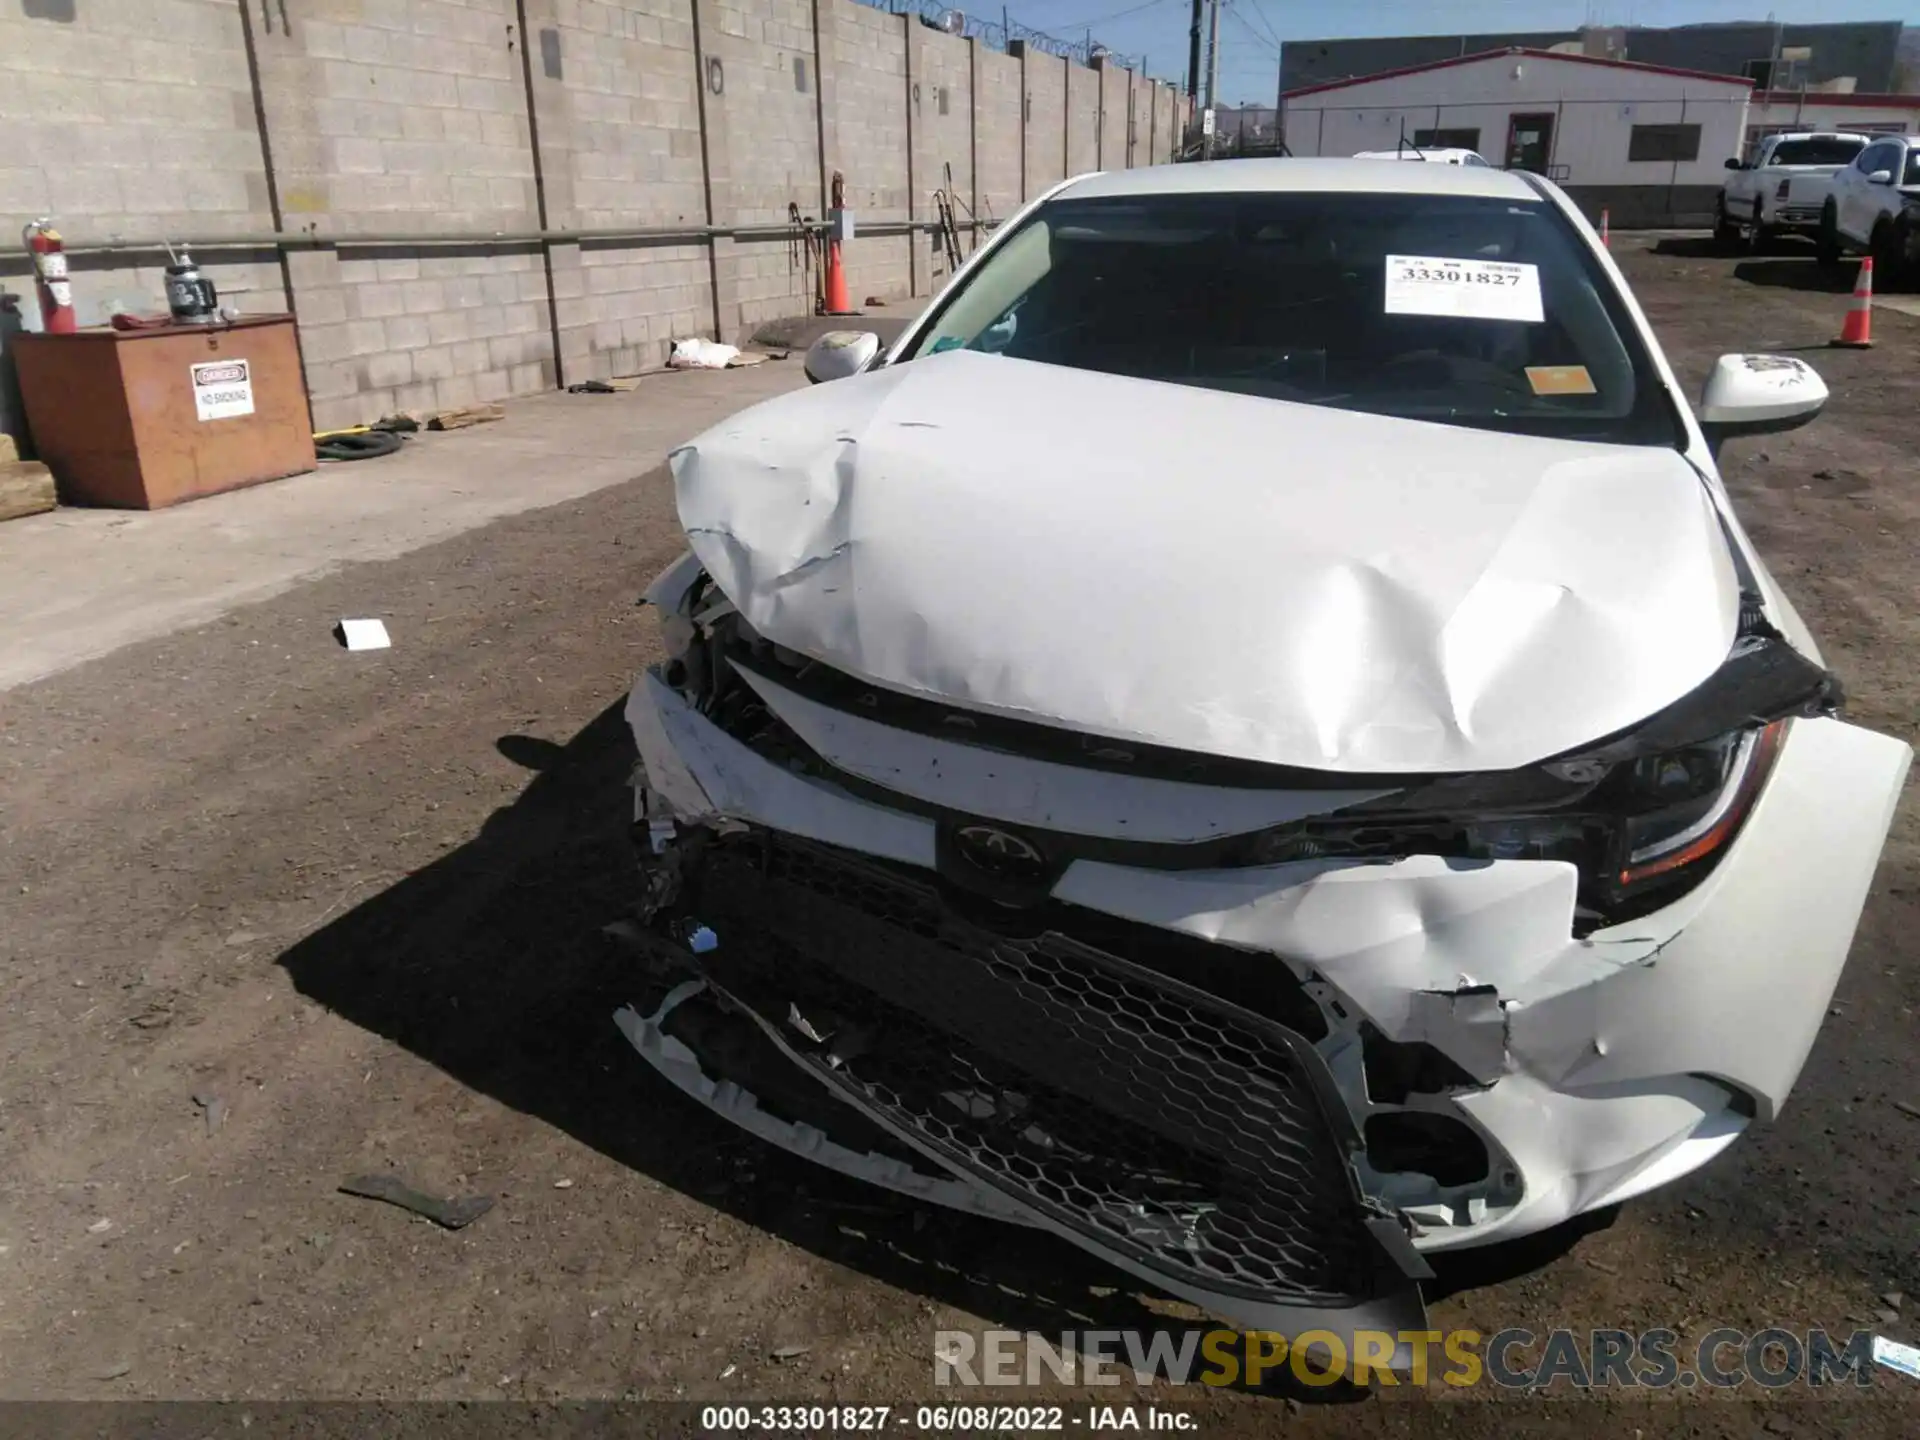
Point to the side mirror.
(840, 353)
(1758, 395)
(1733, 164)
(1880, 177)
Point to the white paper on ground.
(701, 355)
(1220, 573)
(1463, 289)
(364, 635)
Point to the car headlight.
(1641, 832)
(1701, 797)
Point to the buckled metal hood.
(1211, 572)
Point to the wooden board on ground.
(466, 415)
(9, 452)
(26, 488)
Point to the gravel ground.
(273, 914)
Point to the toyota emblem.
(999, 853)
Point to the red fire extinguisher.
(55, 290)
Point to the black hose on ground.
(365, 445)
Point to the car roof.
(1822, 135)
(1279, 175)
(1430, 152)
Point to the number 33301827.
(1429, 275)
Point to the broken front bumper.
(1198, 1144)
(1577, 1072)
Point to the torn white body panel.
(706, 775)
(1592, 1076)
(1025, 791)
(1308, 596)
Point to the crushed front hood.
(1210, 572)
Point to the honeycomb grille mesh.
(1174, 1128)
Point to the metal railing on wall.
(997, 34)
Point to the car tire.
(1726, 233)
(1826, 242)
(1887, 256)
(1900, 258)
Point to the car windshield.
(1912, 176)
(1819, 151)
(1462, 309)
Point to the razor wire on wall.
(996, 34)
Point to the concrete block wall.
(940, 99)
(148, 107)
(616, 92)
(997, 132)
(1083, 119)
(868, 139)
(405, 117)
(1139, 119)
(1044, 145)
(763, 149)
(1111, 92)
(461, 181)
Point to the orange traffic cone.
(1603, 230)
(837, 301)
(1857, 332)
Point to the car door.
(1854, 196)
(1841, 187)
(1744, 184)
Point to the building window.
(1468, 139)
(1664, 142)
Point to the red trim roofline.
(1517, 50)
(1826, 99)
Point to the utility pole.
(1213, 72)
(1193, 50)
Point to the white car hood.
(1216, 573)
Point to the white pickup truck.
(1780, 185)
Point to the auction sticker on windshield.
(1463, 289)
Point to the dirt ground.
(348, 906)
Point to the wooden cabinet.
(138, 419)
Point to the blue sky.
(1250, 59)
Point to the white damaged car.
(1251, 738)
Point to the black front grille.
(1193, 1136)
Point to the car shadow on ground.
(490, 964)
(1690, 247)
(1806, 274)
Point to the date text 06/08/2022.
(812, 1419)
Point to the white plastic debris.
(1895, 1356)
(364, 635)
(701, 355)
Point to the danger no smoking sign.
(222, 389)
